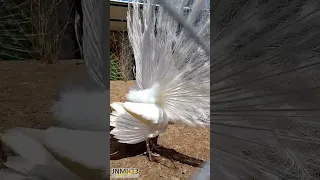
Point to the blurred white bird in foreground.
(78, 148)
(172, 74)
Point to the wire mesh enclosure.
(38, 30)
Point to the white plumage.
(172, 72)
(264, 88)
(33, 159)
(172, 85)
(136, 122)
(77, 118)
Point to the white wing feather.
(136, 122)
(148, 112)
(19, 164)
(35, 153)
(76, 145)
(42, 171)
(34, 159)
(6, 174)
(166, 56)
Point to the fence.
(37, 29)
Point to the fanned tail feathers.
(265, 89)
(167, 56)
(83, 105)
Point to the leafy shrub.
(114, 68)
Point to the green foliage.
(114, 68)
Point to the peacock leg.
(150, 153)
(153, 145)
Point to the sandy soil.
(28, 88)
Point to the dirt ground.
(28, 88)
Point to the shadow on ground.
(121, 151)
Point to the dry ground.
(27, 89)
